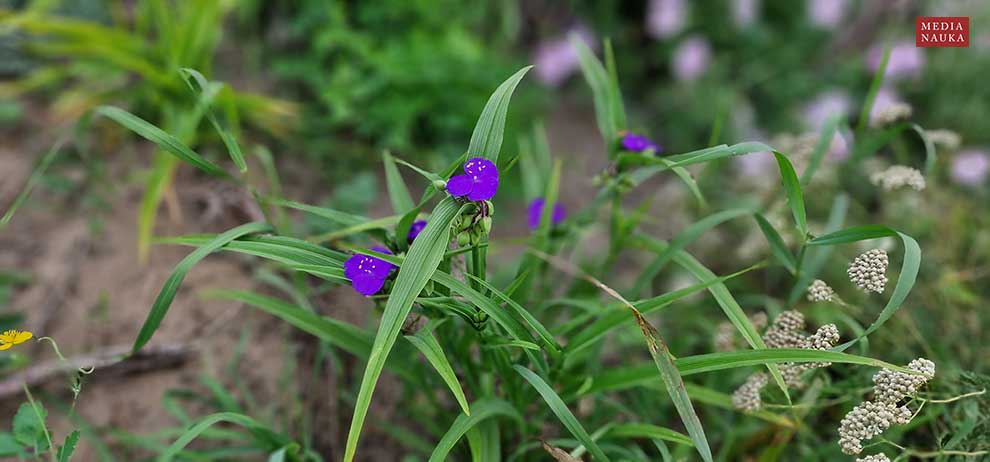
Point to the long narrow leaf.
(564, 414)
(164, 140)
(905, 280)
(486, 140)
(484, 408)
(427, 344)
(422, 260)
(171, 286)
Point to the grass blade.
(199, 84)
(795, 198)
(164, 140)
(777, 246)
(422, 260)
(642, 430)
(682, 240)
(171, 286)
(905, 280)
(205, 423)
(398, 193)
(564, 414)
(428, 345)
(484, 408)
(661, 357)
(486, 140)
(32, 181)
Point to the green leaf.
(398, 193)
(522, 312)
(336, 216)
(795, 198)
(345, 336)
(428, 345)
(871, 95)
(68, 446)
(164, 140)
(777, 246)
(486, 140)
(39, 171)
(930, 158)
(682, 240)
(484, 408)
(905, 280)
(422, 260)
(726, 301)
(642, 430)
(29, 425)
(604, 95)
(171, 286)
(9, 445)
(825, 136)
(616, 315)
(564, 414)
(262, 434)
(198, 84)
(644, 374)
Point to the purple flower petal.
(367, 284)
(480, 167)
(352, 267)
(535, 211)
(484, 188)
(378, 267)
(460, 185)
(415, 229)
(638, 143)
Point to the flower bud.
(463, 239)
(440, 184)
(486, 225)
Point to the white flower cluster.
(890, 114)
(874, 458)
(787, 331)
(945, 138)
(726, 339)
(819, 291)
(892, 386)
(824, 339)
(898, 176)
(868, 271)
(871, 418)
(747, 397)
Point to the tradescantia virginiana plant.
(495, 338)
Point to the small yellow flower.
(13, 337)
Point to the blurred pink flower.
(827, 13)
(886, 98)
(665, 18)
(692, 58)
(556, 59)
(824, 106)
(906, 60)
(838, 149)
(756, 164)
(744, 12)
(970, 167)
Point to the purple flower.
(825, 105)
(535, 211)
(638, 143)
(827, 13)
(367, 273)
(906, 60)
(744, 12)
(479, 182)
(414, 230)
(970, 167)
(692, 58)
(665, 18)
(557, 59)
